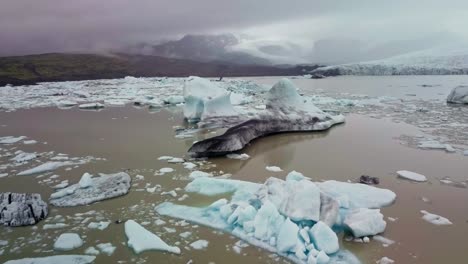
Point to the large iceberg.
(459, 95)
(274, 217)
(205, 99)
(92, 189)
(286, 111)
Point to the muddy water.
(132, 139)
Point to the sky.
(38, 26)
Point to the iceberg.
(435, 219)
(68, 241)
(205, 99)
(58, 259)
(20, 209)
(285, 216)
(286, 111)
(459, 95)
(48, 166)
(140, 239)
(105, 186)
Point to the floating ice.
(459, 95)
(273, 168)
(412, 176)
(10, 139)
(385, 241)
(166, 170)
(189, 165)
(365, 222)
(20, 209)
(211, 186)
(435, 219)
(140, 239)
(99, 225)
(199, 174)
(91, 106)
(85, 180)
(385, 260)
(199, 244)
(106, 248)
(287, 236)
(242, 156)
(174, 99)
(59, 259)
(48, 166)
(176, 160)
(68, 241)
(432, 144)
(23, 157)
(105, 186)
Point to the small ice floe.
(176, 160)
(365, 222)
(413, 176)
(385, 241)
(432, 144)
(174, 100)
(54, 226)
(199, 244)
(199, 174)
(29, 142)
(3, 175)
(99, 225)
(435, 219)
(66, 103)
(93, 189)
(58, 259)
(106, 248)
(159, 222)
(23, 157)
(165, 158)
(170, 193)
(242, 156)
(11, 139)
(385, 260)
(465, 153)
(48, 166)
(61, 185)
(140, 177)
(189, 165)
(21, 209)
(68, 241)
(91, 251)
(165, 170)
(185, 234)
(140, 239)
(92, 106)
(273, 168)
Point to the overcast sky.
(35, 26)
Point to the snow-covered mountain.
(448, 59)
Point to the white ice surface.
(68, 241)
(413, 176)
(140, 239)
(58, 259)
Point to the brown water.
(136, 138)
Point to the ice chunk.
(58, 259)
(287, 236)
(267, 222)
(20, 209)
(322, 258)
(99, 225)
(273, 168)
(412, 176)
(242, 156)
(68, 241)
(459, 95)
(189, 165)
(385, 241)
(10, 139)
(435, 219)
(174, 99)
(23, 157)
(324, 238)
(199, 244)
(140, 239)
(105, 186)
(465, 153)
(106, 248)
(91, 106)
(48, 166)
(298, 200)
(85, 180)
(205, 99)
(176, 160)
(211, 186)
(199, 174)
(385, 260)
(357, 195)
(365, 222)
(166, 170)
(29, 142)
(91, 251)
(296, 176)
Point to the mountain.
(30, 69)
(442, 60)
(203, 48)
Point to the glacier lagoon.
(378, 139)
